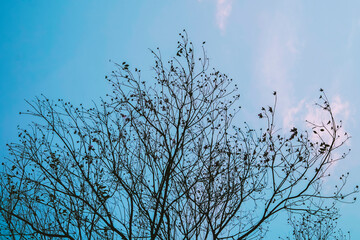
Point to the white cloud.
(223, 11)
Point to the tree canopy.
(165, 159)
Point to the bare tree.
(163, 161)
(316, 227)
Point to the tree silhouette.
(316, 227)
(163, 161)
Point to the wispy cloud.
(342, 112)
(340, 109)
(292, 114)
(223, 11)
(278, 47)
(354, 32)
(306, 110)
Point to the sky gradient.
(62, 49)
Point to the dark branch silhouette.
(316, 227)
(163, 160)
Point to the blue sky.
(62, 49)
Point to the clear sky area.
(62, 49)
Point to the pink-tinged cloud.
(306, 110)
(342, 112)
(339, 107)
(223, 11)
